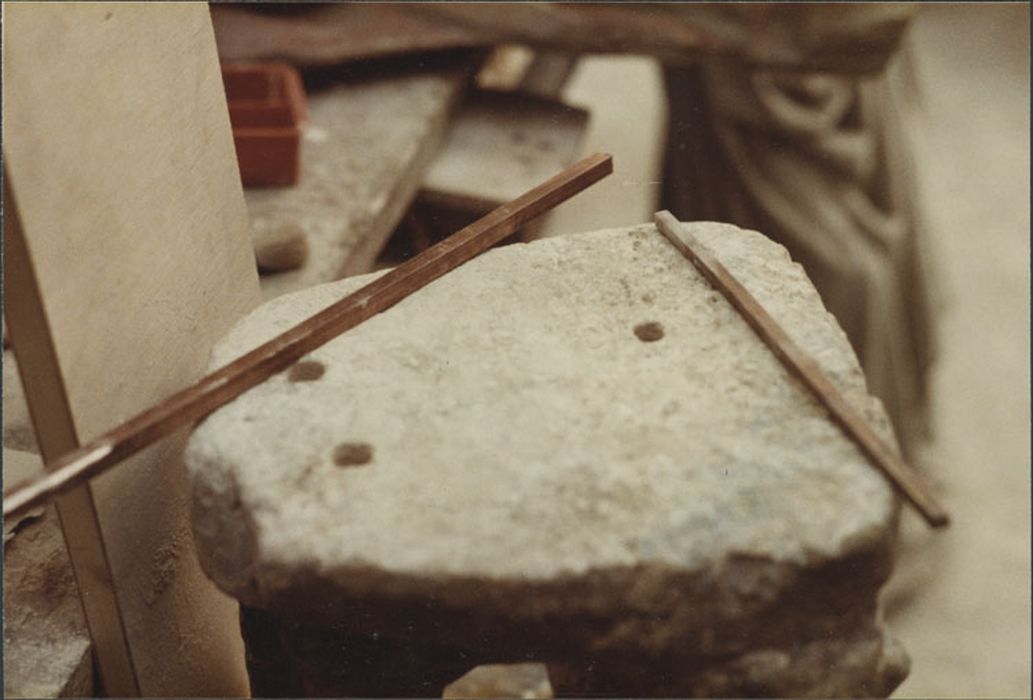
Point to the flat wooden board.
(118, 149)
(829, 36)
(885, 456)
(500, 145)
(334, 33)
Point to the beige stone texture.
(47, 650)
(516, 442)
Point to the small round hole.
(353, 454)
(649, 332)
(308, 371)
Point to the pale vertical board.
(52, 417)
(118, 148)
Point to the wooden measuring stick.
(907, 482)
(224, 385)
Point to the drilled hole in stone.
(353, 454)
(649, 332)
(308, 371)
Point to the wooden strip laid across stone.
(573, 451)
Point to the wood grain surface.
(118, 152)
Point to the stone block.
(572, 451)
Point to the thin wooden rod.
(224, 385)
(907, 482)
(51, 413)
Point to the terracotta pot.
(267, 113)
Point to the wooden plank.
(47, 647)
(18, 431)
(371, 136)
(512, 130)
(907, 482)
(223, 385)
(839, 37)
(118, 153)
(499, 145)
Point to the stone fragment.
(47, 649)
(279, 249)
(578, 453)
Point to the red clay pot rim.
(294, 95)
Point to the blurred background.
(966, 621)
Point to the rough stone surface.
(47, 650)
(502, 681)
(547, 475)
(367, 144)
